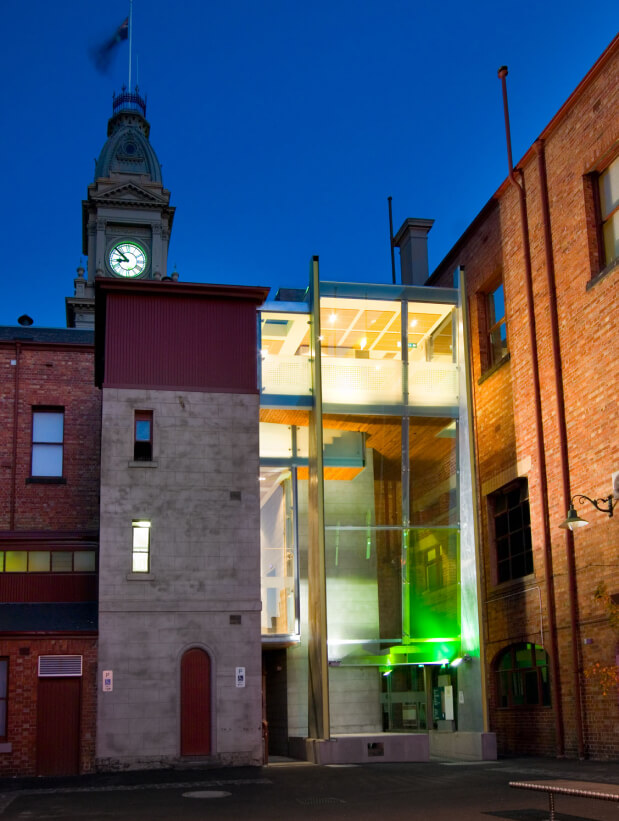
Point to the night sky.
(282, 127)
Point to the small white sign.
(449, 703)
(461, 696)
(108, 681)
(240, 677)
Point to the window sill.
(140, 577)
(493, 368)
(613, 266)
(151, 464)
(521, 584)
(46, 480)
(6, 747)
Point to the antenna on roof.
(130, 40)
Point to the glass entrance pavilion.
(369, 570)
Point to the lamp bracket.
(604, 505)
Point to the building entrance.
(195, 702)
(275, 699)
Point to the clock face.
(128, 259)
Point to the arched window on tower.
(522, 676)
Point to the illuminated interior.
(362, 355)
(390, 410)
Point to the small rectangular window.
(141, 547)
(38, 561)
(84, 561)
(47, 441)
(4, 694)
(62, 561)
(497, 328)
(608, 199)
(16, 561)
(143, 436)
(510, 530)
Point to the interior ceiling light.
(363, 343)
(332, 318)
(413, 323)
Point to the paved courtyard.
(437, 791)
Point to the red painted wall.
(163, 336)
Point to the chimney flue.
(412, 240)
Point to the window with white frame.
(141, 547)
(47, 441)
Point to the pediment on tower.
(128, 194)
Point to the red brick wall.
(504, 405)
(22, 700)
(50, 375)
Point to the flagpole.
(130, 39)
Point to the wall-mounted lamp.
(573, 521)
(465, 658)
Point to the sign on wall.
(108, 681)
(240, 677)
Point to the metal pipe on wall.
(15, 432)
(539, 432)
(562, 436)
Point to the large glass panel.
(433, 448)
(353, 608)
(363, 471)
(431, 590)
(361, 343)
(285, 354)
(404, 699)
(277, 552)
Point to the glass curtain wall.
(391, 502)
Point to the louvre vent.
(60, 666)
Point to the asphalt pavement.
(436, 790)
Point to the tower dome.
(127, 149)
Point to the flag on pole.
(103, 53)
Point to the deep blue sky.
(281, 126)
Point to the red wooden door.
(58, 726)
(195, 703)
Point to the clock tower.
(127, 217)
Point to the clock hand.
(121, 256)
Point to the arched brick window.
(522, 676)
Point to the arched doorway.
(195, 702)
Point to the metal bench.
(579, 789)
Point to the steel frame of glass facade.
(370, 435)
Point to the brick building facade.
(540, 593)
(49, 516)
